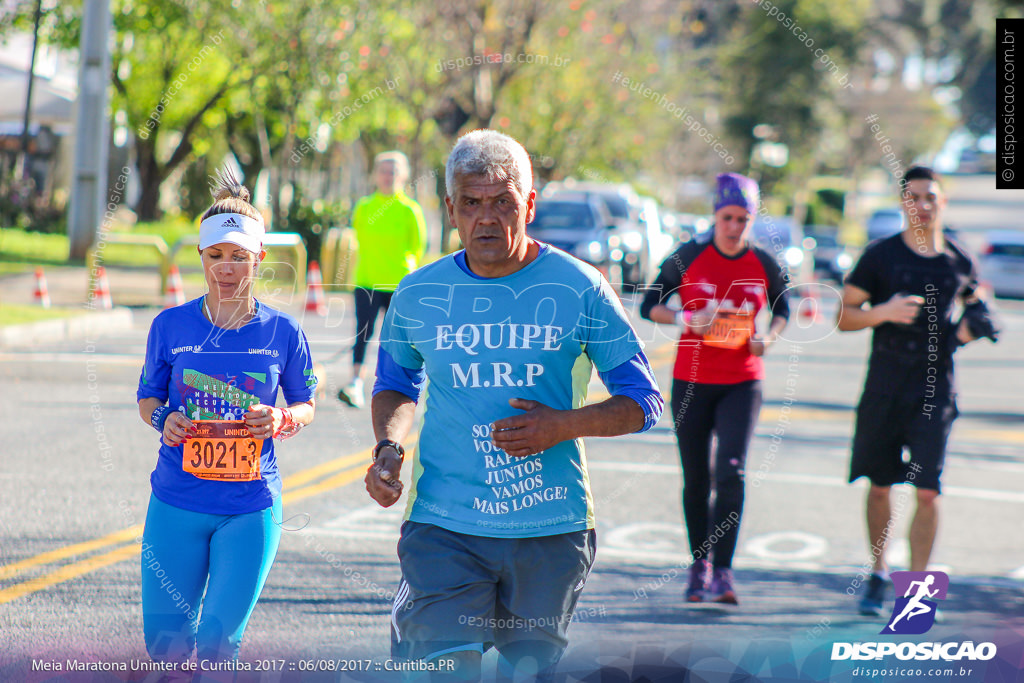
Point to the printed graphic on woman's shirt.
(209, 398)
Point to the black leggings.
(728, 412)
(369, 303)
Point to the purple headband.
(736, 190)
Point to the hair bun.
(227, 185)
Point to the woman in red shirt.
(722, 284)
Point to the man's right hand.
(382, 478)
(902, 308)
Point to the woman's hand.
(178, 429)
(263, 421)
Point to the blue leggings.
(185, 554)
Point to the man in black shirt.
(911, 283)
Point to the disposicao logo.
(914, 614)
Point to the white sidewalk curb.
(86, 325)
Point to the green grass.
(11, 314)
(20, 249)
(171, 229)
(25, 249)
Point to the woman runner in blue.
(213, 369)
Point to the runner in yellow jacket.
(392, 236)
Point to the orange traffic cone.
(314, 290)
(175, 295)
(42, 295)
(101, 292)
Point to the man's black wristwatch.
(388, 442)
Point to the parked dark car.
(832, 259)
(626, 209)
(577, 224)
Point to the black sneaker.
(874, 596)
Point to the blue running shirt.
(210, 373)
(535, 334)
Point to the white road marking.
(766, 546)
(371, 522)
(991, 495)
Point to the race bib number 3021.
(222, 450)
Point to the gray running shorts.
(463, 592)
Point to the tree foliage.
(308, 90)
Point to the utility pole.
(92, 130)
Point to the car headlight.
(794, 256)
(844, 261)
(634, 241)
(591, 251)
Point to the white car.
(1002, 263)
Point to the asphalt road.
(74, 488)
(74, 481)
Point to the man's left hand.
(537, 429)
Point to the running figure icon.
(917, 595)
(915, 606)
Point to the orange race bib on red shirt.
(730, 330)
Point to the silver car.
(1002, 264)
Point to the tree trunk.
(151, 176)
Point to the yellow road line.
(305, 476)
(121, 536)
(68, 572)
(82, 567)
(337, 480)
(340, 478)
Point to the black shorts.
(462, 592)
(886, 424)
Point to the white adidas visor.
(234, 228)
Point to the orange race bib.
(222, 450)
(730, 330)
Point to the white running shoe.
(352, 394)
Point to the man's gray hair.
(492, 154)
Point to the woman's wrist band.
(159, 418)
(289, 427)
